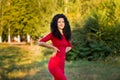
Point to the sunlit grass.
(29, 63)
(19, 61)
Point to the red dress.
(56, 63)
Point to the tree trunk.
(0, 21)
(19, 38)
(0, 39)
(66, 6)
(28, 38)
(9, 39)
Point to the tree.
(0, 21)
(21, 17)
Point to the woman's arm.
(69, 47)
(44, 44)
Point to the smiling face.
(61, 23)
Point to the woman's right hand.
(55, 50)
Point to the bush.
(95, 41)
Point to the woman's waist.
(60, 47)
(61, 56)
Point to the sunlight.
(17, 74)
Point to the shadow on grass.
(88, 70)
(19, 64)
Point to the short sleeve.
(69, 44)
(46, 38)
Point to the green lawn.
(27, 63)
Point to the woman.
(60, 35)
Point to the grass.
(84, 70)
(28, 63)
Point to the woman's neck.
(61, 31)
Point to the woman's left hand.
(68, 49)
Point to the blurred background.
(95, 28)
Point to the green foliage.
(21, 17)
(91, 46)
(99, 36)
(95, 24)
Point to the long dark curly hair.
(66, 29)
